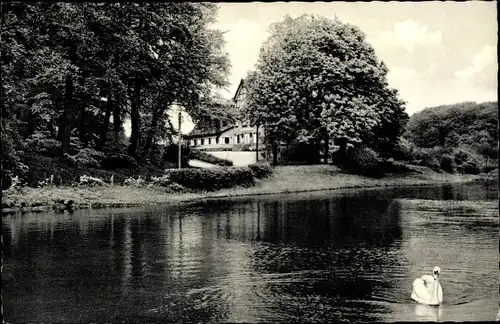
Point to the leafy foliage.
(319, 79)
(365, 161)
(261, 170)
(466, 124)
(73, 72)
(212, 179)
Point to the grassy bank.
(285, 179)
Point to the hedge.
(209, 158)
(261, 170)
(212, 179)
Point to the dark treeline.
(72, 73)
(461, 137)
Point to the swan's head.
(436, 271)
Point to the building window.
(226, 140)
(217, 140)
(209, 141)
(202, 141)
(238, 139)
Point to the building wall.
(237, 135)
(241, 134)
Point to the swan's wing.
(428, 279)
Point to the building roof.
(214, 127)
(242, 84)
(211, 130)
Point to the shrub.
(241, 147)
(118, 161)
(39, 143)
(212, 179)
(209, 158)
(86, 157)
(427, 157)
(403, 150)
(297, 153)
(466, 162)
(261, 170)
(87, 180)
(134, 182)
(156, 155)
(447, 163)
(364, 161)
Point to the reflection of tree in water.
(327, 253)
(344, 221)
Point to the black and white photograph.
(249, 162)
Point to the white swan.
(427, 289)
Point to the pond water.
(319, 257)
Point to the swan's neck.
(434, 296)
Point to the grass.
(285, 179)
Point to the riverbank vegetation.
(318, 90)
(284, 179)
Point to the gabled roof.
(212, 130)
(241, 85)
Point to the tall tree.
(317, 79)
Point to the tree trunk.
(117, 123)
(105, 125)
(135, 119)
(275, 152)
(151, 133)
(342, 152)
(317, 151)
(257, 144)
(66, 122)
(327, 149)
(82, 132)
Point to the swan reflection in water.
(428, 313)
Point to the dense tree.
(318, 80)
(470, 125)
(76, 71)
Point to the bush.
(447, 163)
(212, 179)
(209, 158)
(466, 162)
(87, 180)
(297, 153)
(39, 143)
(86, 157)
(427, 157)
(118, 161)
(403, 150)
(364, 161)
(261, 170)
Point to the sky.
(437, 52)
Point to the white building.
(238, 137)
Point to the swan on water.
(427, 289)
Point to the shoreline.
(284, 181)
